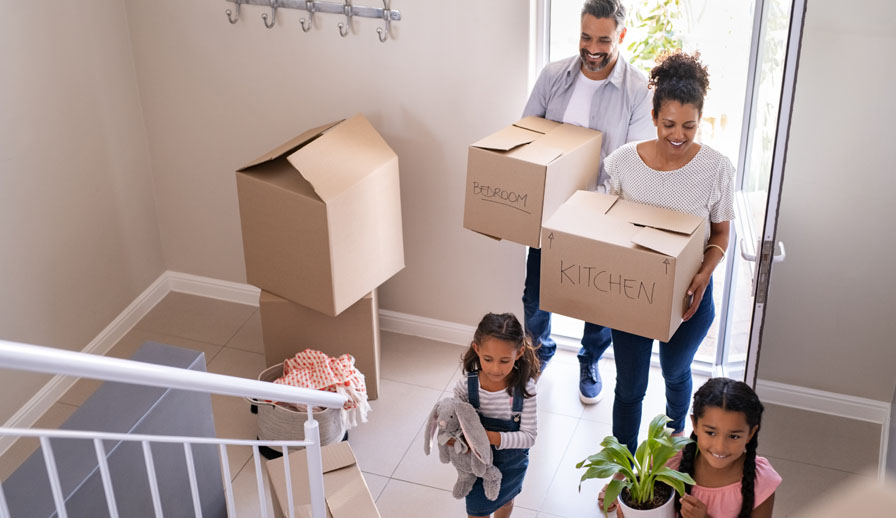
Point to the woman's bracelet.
(714, 246)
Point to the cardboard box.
(517, 177)
(346, 492)
(288, 328)
(620, 264)
(321, 216)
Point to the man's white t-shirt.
(578, 111)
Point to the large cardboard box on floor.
(288, 328)
(517, 177)
(321, 216)
(620, 264)
(346, 492)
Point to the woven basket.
(281, 423)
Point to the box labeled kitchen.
(620, 264)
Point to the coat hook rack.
(345, 8)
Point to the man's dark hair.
(605, 9)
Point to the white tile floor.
(416, 373)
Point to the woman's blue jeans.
(632, 355)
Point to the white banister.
(58, 361)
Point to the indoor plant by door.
(646, 486)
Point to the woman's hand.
(695, 293)
(692, 507)
(494, 438)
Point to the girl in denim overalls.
(500, 368)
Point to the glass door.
(764, 150)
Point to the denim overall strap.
(473, 388)
(516, 408)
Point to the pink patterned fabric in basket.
(315, 370)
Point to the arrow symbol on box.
(666, 262)
(551, 239)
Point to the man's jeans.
(632, 354)
(595, 339)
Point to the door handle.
(778, 257)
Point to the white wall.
(217, 95)
(831, 321)
(78, 235)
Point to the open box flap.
(536, 153)
(338, 456)
(537, 124)
(288, 147)
(507, 139)
(656, 217)
(666, 243)
(342, 157)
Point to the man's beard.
(600, 65)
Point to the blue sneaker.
(590, 384)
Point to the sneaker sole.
(591, 400)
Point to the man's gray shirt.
(620, 108)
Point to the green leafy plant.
(659, 21)
(640, 471)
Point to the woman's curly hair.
(679, 76)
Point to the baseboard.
(432, 329)
(213, 288)
(832, 403)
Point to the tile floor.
(415, 374)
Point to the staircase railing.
(57, 361)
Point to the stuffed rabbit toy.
(471, 455)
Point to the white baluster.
(228, 485)
(107, 479)
(53, 474)
(153, 483)
(194, 487)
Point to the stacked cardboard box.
(321, 223)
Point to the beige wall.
(78, 236)
(831, 322)
(217, 95)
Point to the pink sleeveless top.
(725, 501)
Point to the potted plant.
(643, 482)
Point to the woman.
(674, 172)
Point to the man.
(600, 90)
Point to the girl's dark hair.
(734, 396)
(505, 326)
(681, 77)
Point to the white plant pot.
(666, 510)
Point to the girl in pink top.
(732, 481)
